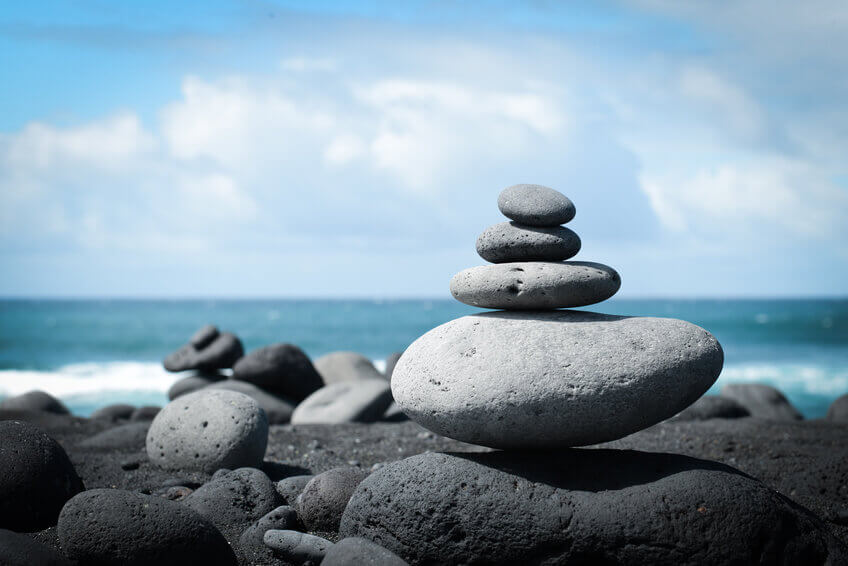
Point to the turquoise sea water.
(94, 352)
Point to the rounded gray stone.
(282, 369)
(35, 400)
(145, 413)
(391, 362)
(116, 412)
(509, 241)
(252, 549)
(296, 547)
(838, 410)
(291, 487)
(129, 436)
(361, 401)
(208, 430)
(193, 383)
(113, 526)
(278, 409)
(552, 379)
(345, 366)
(535, 285)
(535, 205)
(36, 477)
(221, 352)
(762, 401)
(236, 498)
(357, 551)
(587, 506)
(713, 407)
(323, 500)
(204, 336)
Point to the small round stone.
(361, 401)
(762, 401)
(35, 401)
(356, 551)
(509, 241)
(36, 477)
(323, 500)
(296, 547)
(116, 412)
(221, 352)
(282, 369)
(838, 410)
(235, 499)
(712, 407)
(535, 205)
(535, 285)
(345, 366)
(193, 383)
(113, 526)
(207, 430)
(291, 487)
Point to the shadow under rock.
(277, 471)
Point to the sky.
(356, 149)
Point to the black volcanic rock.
(838, 410)
(35, 401)
(763, 401)
(20, 550)
(220, 353)
(712, 407)
(283, 369)
(113, 526)
(586, 506)
(36, 477)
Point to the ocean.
(91, 353)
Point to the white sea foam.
(789, 377)
(89, 378)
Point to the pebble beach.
(529, 433)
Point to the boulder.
(535, 205)
(362, 401)
(36, 477)
(235, 499)
(323, 500)
(35, 401)
(282, 369)
(336, 367)
(510, 241)
(553, 379)
(20, 550)
(589, 506)
(208, 430)
(113, 526)
(762, 401)
(221, 352)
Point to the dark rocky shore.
(805, 461)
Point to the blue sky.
(357, 149)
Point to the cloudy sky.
(251, 148)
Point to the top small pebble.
(535, 205)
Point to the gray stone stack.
(533, 375)
(529, 253)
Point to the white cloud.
(729, 104)
(343, 149)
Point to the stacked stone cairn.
(535, 380)
(534, 376)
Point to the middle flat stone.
(535, 285)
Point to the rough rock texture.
(535, 205)
(296, 547)
(323, 500)
(364, 400)
(535, 285)
(509, 241)
(282, 369)
(548, 379)
(838, 410)
(336, 367)
(222, 352)
(291, 487)
(278, 409)
(35, 401)
(251, 547)
(391, 362)
(20, 550)
(509, 508)
(116, 412)
(712, 407)
(763, 401)
(193, 383)
(208, 430)
(113, 526)
(357, 551)
(236, 499)
(36, 477)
